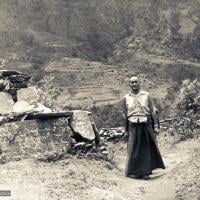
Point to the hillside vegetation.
(156, 40)
(91, 28)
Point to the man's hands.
(156, 130)
(126, 135)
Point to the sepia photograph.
(99, 99)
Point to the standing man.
(143, 154)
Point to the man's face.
(134, 83)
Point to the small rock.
(22, 106)
(19, 78)
(80, 144)
(42, 108)
(30, 94)
(118, 134)
(4, 84)
(104, 152)
(102, 148)
(6, 103)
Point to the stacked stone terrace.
(10, 83)
(29, 129)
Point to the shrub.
(187, 108)
(108, 115)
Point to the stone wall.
(35, 129)
(11, 82)
(27, 139)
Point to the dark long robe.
(143, 154)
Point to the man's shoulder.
(142, 92)
(127, 95)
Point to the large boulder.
(81, 124)
(30, 138)
(30, 95)
(6, 103)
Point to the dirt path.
(161, 186)
(82, 179)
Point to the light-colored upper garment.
(138, 106)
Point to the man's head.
(134, 84)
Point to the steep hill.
(90, 29)
(157, 40)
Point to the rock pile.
(11, 81)
(37, 131)
(89, 149)
(85, 139)
(112, 134)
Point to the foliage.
(48, 93)
(187, 107)
(91, 28)
(108, 116)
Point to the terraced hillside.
(156, 40)
(84, 83)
